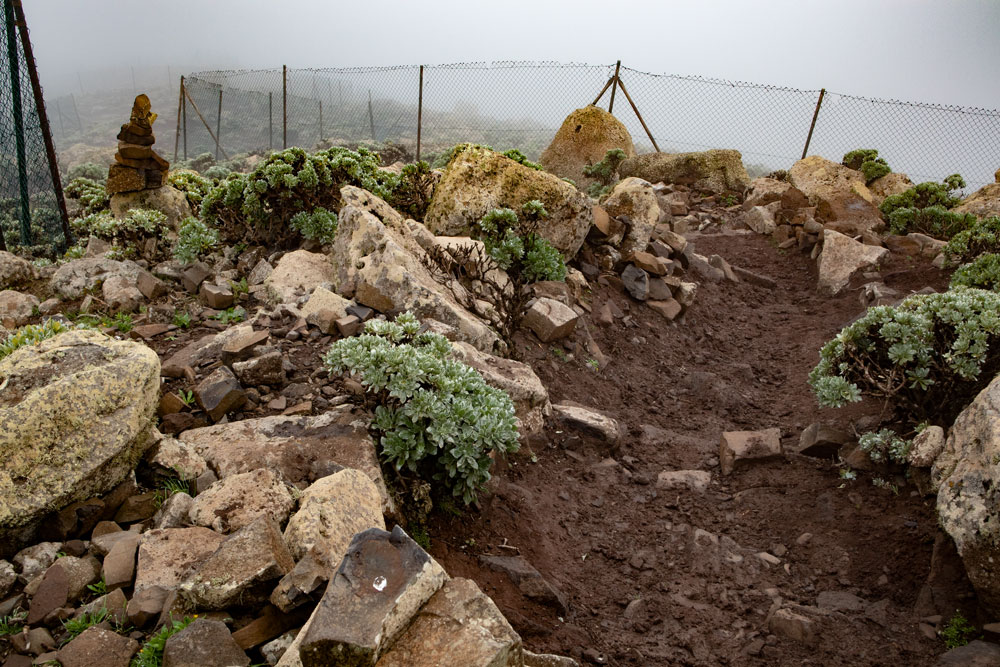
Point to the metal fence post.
(321, 120)
(22, 166)
(270, 121)
(184, 119)
(371, 116)
(218, 126)
(284, 106)
(177, 132)
(812, 125)
(614, 85)
(420, 110)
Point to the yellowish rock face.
(141, 111)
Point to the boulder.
(383, 581)
(760, 219)
(98, 647)
(239, 571)
(299, 449)
(927, 446)
(380, 263)
(73, 278)
(550, 319)
(204, 643)
(531, 400)
(763, 191)
(75, 418)
(890, 184)
(331, 511)
(121, 294)
(459, 625)
(168, 200)
(14, 271)
(983, 203)
(716, 170)
(324, 308)
(298, 272)
(16, 308)
(582, 140)
(838, 193)
(478, 180)
(634, 198)
(236, 501)
(589, 423)
(737, 446)
(841, 258)
(167, 556)
(967, 479)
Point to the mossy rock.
(983, 203)
(717, 170)
(76, 415)
(478, 180)
(582, 140)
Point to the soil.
(596, 526)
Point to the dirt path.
(665, 577)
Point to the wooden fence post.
(812, 125)
(284, 106)
(420, 110)
(614, 85)
(218, 126)
(177, 132)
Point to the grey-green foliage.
(982, 272)
(606, 171)
(517, 156)
(90, 193)
(980, 238)
(194, 238)
(193, 185)
(436, 416)
(885, 446)
(926, 194)
(517, 248)
(127, 234)
(930, 355)
(217, 172)
(88, 170)
(318, 225)
(867, 161)
(935, 221)
(32, 334)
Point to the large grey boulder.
(967, 478)
(297, 273)
(634, 198)
(716, 170)
(16, 308)
(76, 415)
(380, 263)
(478, 180)
(14, 271)
(583, 139)
(72, 279)
(841, 258)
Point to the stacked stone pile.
(137, 166)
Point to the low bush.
(605, 172)
(867, 161)
(412, 195)
(128, 235)
(194, 239)
(935, 221)
(926, 194)
(257, 208)
(979, 238)
(88, 170)
(435, 416)
(91, 194)
(929, 356)
(193, 185)
(32, 334)
(982, 272)
(517, 156)
(885, 446)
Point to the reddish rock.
(52, 594)
(220, 393)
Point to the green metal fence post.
(15, 88)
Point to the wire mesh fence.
(30, 215)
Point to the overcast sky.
(942, 51)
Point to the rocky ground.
(633, 527)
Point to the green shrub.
(412, 195)
(257, 208)
(32, 334)
(926, 194)
(980, 238)
(88, 170)
(194, 239)
(436, 416)
(193, 185)
(930, 355)
(128, 234)
(982, 272)
(217, 172)
(936, 221)
(605, 172)
(319, 225)
(957, 631)
(885, 445)
(867, 161)
(91, 194)
(519, 157)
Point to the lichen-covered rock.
(890, 184)
(14, 271)
(75, 418)
(582, 140)
(763, 191)
(478, 180)
(296, 273)
(967, 478)
(239, 500)
(74, 278)
(839, 194)
(841, 258)
(717, 170)
(983, 203)
(634, 198)
(380, 263)
(168, 200)
(16, 308)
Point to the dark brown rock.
(349, 326)
(528, 580)
(137, 508)
(119, 565)
(215, 296)
(146, 605)
(195, 275)
(52, 594)
(270, 623)
(636, 282)
(220, 393)
(204, 643)
(150, 286)
(308, 576)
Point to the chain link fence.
(521, 105)
(30, 199)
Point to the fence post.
(812, 125)
(184, 119)
(321, 120)
(22, 166)
(270, 121)
(420, 110)
(371, 117)
(218, 126)
(284, 106)
(638, 115)
(177, 132)
(614, 86)
(201, 116)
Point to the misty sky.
(941, 51)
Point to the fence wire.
(522, 104)
(29, 213)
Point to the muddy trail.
(649, 574)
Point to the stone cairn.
(137, 166)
